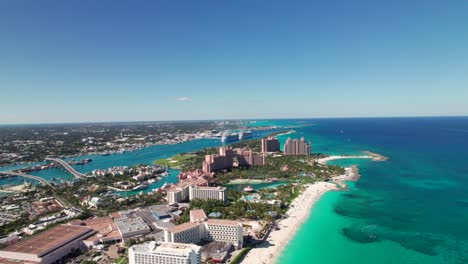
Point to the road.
(69, 168)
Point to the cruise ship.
(245, 134)
(229, 137)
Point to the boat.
(245, 134)
(151, 180)
(140, 187)
(229, 137)
(248, 189)
(165, 173)
(106, 154)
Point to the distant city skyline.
(111, 61)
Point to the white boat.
(248, 189)
(229, 137)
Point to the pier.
(68, 167)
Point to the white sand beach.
(370, 155)
(325, 160)
(270, 250)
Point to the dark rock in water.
(420, 243)
(352, 195)
(341, 211)
(360, 235)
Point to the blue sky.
(72, 61)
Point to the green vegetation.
(283, 167)
(175, 162)
(187, 161)
(235, 208)
(241, 255)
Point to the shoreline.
(370, 155)
(272, 247)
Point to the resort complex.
(227, 158)
(201, 228)
(270, 144)
(196, 219)
(296, 147)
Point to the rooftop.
(223, 222)
(166, 247)
(105, 227)
(220, 188)
(127, 225)
(49, 240)
(197, 215)
(182, 227)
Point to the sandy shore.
(370, 155)
(270, 250)
(325, 160)
(351, 174)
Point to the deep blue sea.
(412, 208)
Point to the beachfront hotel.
(208, 193)
(164, 253)
(201, 228)
(297, 147)
(270, 144)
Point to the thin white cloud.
(184, 99)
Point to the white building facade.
(164, 253)
(208, 193)
(209, 230)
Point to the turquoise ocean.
(412, 208)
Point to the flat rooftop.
(166, 248)
(49, 240)
(127, 225)
(183, 227)
(222, 222)
(105, 227)
(218, 188)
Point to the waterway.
(142, 156)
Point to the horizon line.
(227, 119)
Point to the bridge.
(68, 167)
(13, 173)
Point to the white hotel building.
(164, 253)
(208, 193)
(184, 192)
(209, 230)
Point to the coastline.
(271, 248)
(370, 155)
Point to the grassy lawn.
(174, 162)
